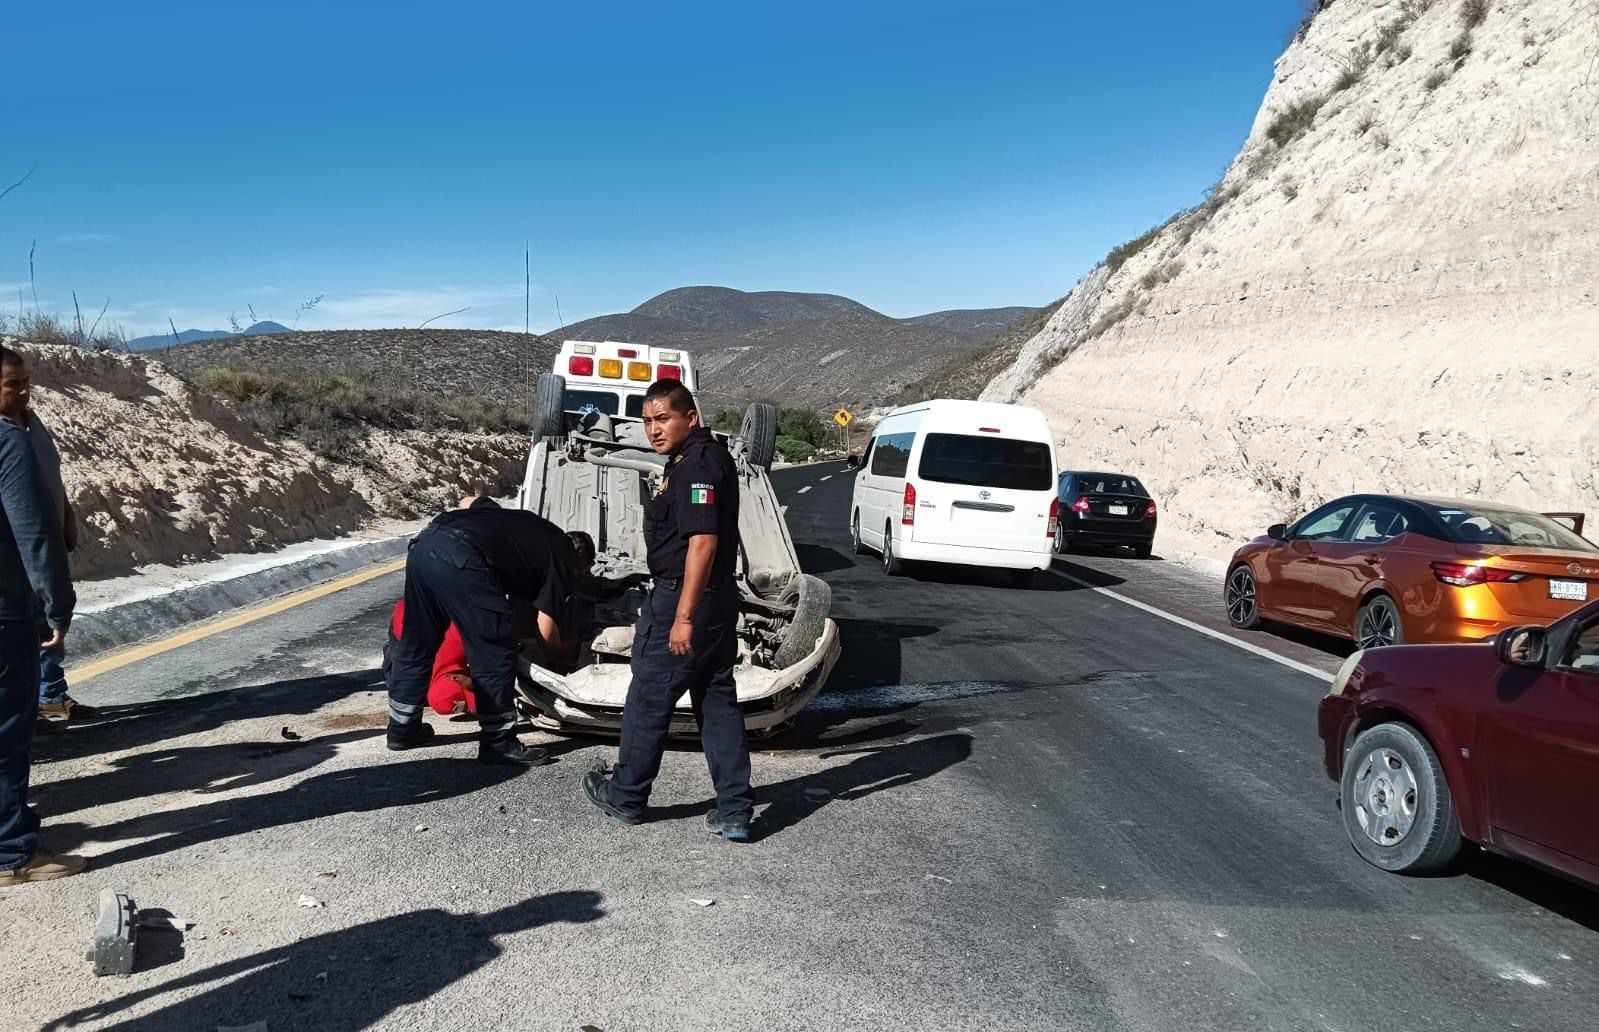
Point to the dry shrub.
(1473, 13)
(1435, 78)
(1295, 119)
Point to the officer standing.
(473, 567)
(686, 637)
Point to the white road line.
(828, 477)
(802, 490)
(1293, 664)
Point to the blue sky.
(195, 159)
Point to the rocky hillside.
(815, 350)
(445, 362)
(1394, 287)
(162, 474)
(965, 375)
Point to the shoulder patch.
(702, 494)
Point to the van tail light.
(668, 372)
(1054, 517)
(1464, 575)
(580, 366)
(908, 515)
(1081, 505)
(1149, 511)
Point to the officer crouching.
(686, 639)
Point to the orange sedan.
(1383, 570)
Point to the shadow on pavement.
(873, 770)
(819, 559)
(146, 723)
(355, 790)
(984, 577)
(1097, 578)
(1576, 903)
(201, 769)
(348, 979)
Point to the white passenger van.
(964, 482)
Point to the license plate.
(1570, 590)
(1119, 510)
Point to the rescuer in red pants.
(450, 690)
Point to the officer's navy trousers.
(447, 580)
(660, 679)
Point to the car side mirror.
(1522, 646)
(1277, 532)
(852, 462)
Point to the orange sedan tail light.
(1464, 575)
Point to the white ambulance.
(964, 482)
(606, 376)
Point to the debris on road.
(164, 922)
(420, 828)
(703, 902)
(311, 902)
(116, 935)
(817, 793)
(327, 874)
(293, 736)
(940, 878)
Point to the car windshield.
(1485, 526)
(1107, 483)
(986, 462)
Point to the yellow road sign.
(843, 417)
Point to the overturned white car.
(594, 472)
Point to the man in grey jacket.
(33, 577)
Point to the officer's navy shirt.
(697, 495)
(531, 557)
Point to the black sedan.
(1105, 509)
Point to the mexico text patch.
(702, 494)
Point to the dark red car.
(1496, 743)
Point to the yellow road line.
(136, 653)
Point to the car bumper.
(769, 699)
(965, 555)
(1334, 717)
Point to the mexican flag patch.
(702, 494)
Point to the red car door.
(1543, 768)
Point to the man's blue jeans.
(19, 708)
(52, 678)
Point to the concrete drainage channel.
(115, 626)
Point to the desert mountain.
(816, 350)
(1393, 287)
(161, 340)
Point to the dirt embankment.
(1394, 288)
(162, 474)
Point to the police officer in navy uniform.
(476, 567)
(686, 637)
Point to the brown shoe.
(65, 710)
(44, 867)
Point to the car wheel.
(1377, 624)
(855, 534)
(549, 405)
(812, 599)
(1397, 807)
(1243, 602)
(891, 562)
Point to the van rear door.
(984, 490)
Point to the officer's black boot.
(597, 786)
(734, 829)
(409, 736)
(510, 753)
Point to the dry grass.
(1473, 13)
(1295, 119)
(47, 329)
(1435, 78)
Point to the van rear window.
(986, 462)
(580, 401)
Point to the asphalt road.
(1011, 809)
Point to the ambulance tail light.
(580, 366)
(638, 371)
(908, 514)
(627, 353)
(669, 356)
(668, 372)
(611, 368)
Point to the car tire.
(1378, 623)
(812, 600)
(1397, 807)
(549, 406)
(892, 565)
(759, 433)
(856, 544)
(1242, 598)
